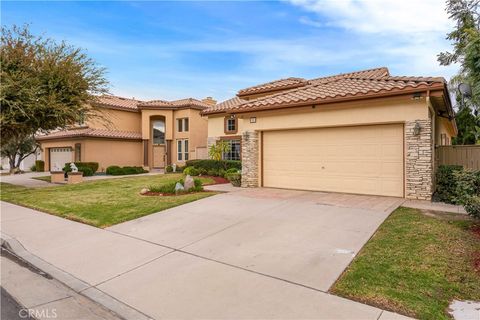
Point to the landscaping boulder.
(179, 187)
(144, 191)
(189, 183)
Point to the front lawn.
(416, 264)
(100, 203)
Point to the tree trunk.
(13, 167)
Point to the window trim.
(183, 124)
(225, 125)
(183, 153)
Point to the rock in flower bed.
(180, 187)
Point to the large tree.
(466, 52)
(45, 85)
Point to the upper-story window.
(182, 125)
(158, 132)
(231, 125)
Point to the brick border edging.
(119, 308)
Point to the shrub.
(33, 167)
(192, 171)
(446, 183)
(91, 165)
(467, 185)
(235, 178)
(40, 165)
(232, 170)
(87, 171)
(209, 164)
(202, 171)
(168, 169)
(472, 206)
(119, 171)
(180, 169)
(212, 172)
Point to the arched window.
(158, 132)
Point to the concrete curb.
(121, 309)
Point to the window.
(182, 125)
(234, 152)
(78, 152)
(231, 125)
(158, 132)
(182, 150)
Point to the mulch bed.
(218, 180)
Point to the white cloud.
(382, 16)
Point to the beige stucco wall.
(117, 120)
(216, 126)
(443, 126)
(146, 122)
(196, 135)
(108, 152)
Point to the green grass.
(44, 178)
(415, 264)
(100, 203)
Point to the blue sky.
(172, 50)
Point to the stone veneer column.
(250, 159)
(419, 164)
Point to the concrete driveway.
(302, 238)
(248, 254)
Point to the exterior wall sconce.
(416, 129)
(253, 119)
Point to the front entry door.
(159, 156)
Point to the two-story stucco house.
(363, 132)
(151, 134)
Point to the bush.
(119, 171)
(33, 167)
(180, 169)
(87, 171)
(472, 206)
(192, 171)
(467, 185)
(446, 183)
(40, 165)
(232, 170)
(209, 164)
(235, 178)
(212, 172)
(91, 165)
(169, 169)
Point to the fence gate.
(467, 156)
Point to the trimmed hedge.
(209, 164)
(446, 183)
(40, 165)
(87, 171)
(457, 185)
(91, 165)
(192, 171)
(119, 171)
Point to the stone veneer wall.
(250, 149)
(419, 164)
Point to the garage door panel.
(365, 159)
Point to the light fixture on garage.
(416, 129)
(253, 119)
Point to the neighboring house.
(25, 164)
(363, 132)
(130, 132)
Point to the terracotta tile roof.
(175, 104)
(91, 132)
(346, 86)
(287, 83)
(225, 105)
(117, 102)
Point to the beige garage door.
(361, 159)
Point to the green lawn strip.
(44, 178)
(100, 203)
(415, 265)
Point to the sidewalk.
(102, 264)
(39, 295)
